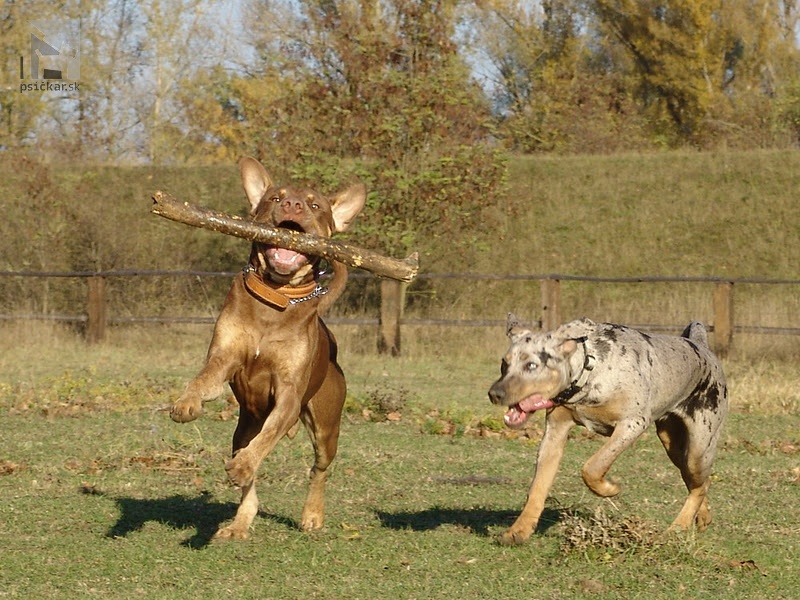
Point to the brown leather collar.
(279, 296)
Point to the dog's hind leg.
(242, 467)
(694, 456)
(246, 429)
(322, 420)
(239, 529)
(595, 470)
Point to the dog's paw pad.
(511, 538)
(311, 523)
(183, 412)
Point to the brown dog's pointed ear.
(255, 181)
(346, 206)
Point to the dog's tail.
(335, 286)
(696, 332)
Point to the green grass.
(131, 514)
(102, 495)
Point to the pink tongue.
(534, 402)
(517, 415)
(286, 260)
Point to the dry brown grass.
(446, 369)
(606, 533)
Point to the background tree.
(388, 81)
(179, 39)
(706, 65)
(134, 55)
(19, 111)
(552, 81)
(668, 45)
(607, 75)
(377, 90)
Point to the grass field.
(102, 495)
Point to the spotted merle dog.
(614, 381)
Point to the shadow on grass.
(179, 512)
(479, 521)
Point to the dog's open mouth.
(282, 260)
(517, 415)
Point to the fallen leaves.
(745, 565)
(488, 427)
(764, 447)
(169, 462)
(8, 467)
(471, 480)
(352, 532)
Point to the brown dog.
(273, 349)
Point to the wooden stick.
(206, 218)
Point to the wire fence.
(391, 302)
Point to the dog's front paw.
(604, 488)
(185, 410)
(231, 532)
(513, 537)
(240, 468)
(311, 521)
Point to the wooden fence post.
(551, 300)
(96, 310)
(723, 317)
(393, 295)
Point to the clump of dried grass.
(607, 534)
(379, 403)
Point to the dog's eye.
(314, 206)
(276, 198)
(531, 366)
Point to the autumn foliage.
(420, 99)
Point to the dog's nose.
(496, 393)
(292, 207)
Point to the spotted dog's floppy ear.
(566, 348)
(515, 329)
(566, 338)
(576, 330)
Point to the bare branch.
(169, 207)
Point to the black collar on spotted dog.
(576, 385)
